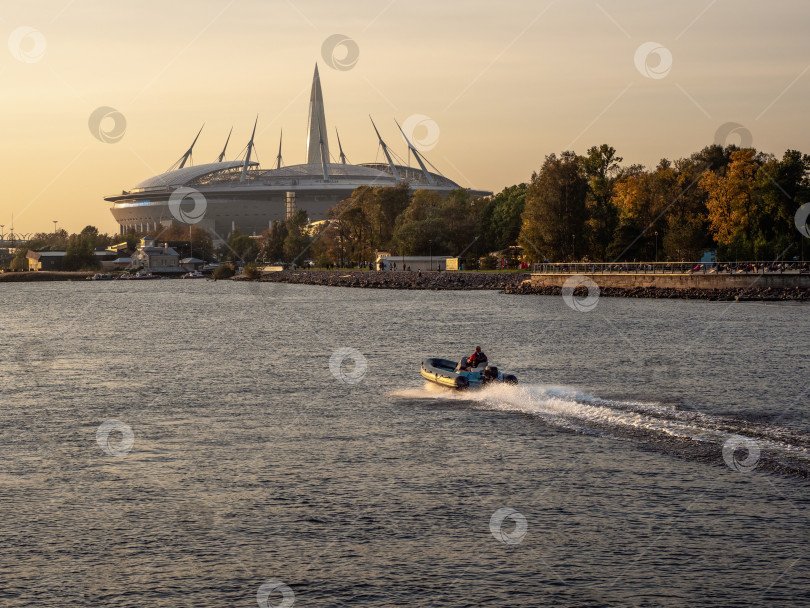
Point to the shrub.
(250, 271)
(223, 271)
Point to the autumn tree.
(731, 203)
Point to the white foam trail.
(567, 407)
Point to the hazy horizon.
(504, 84)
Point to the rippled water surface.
(184, 443)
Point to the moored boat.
(448, 373)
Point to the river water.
(197, 443)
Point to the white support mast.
(418, 157)
(249, 150)
(385, 151)
(187, 155)
(221, 156)
(342, 155)
(278, 158)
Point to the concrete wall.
(681, 281)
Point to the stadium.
(225, 195)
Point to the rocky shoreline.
(45, 275)
(400, 279)
(516, 283)
(714, 295)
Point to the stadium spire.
(418, 156)
(385, 150)
(221, 156)
(340, 146)
(317, 140)
(249, 150)
(187, 155)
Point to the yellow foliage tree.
(730, 197)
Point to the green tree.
(500, 219)
(555, 212)
(241, 247)
(296, 243)
(272, 248)
(602, 166)
(79, 254)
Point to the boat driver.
(477, 358)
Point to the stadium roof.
(179, 177)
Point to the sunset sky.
(505, 83)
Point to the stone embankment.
(400, 279)
(519, 283)
(44, 275)
(689, 293)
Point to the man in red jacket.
(477, 358)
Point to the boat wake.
(743, 444)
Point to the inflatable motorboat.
(448, 373)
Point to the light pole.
(54, 226)
(656, 245)
(430, 243)
(573, 252)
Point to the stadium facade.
(240, 194)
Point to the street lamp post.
(656, 245)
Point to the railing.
(12, 243)
(755, 267)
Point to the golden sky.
(501, 84)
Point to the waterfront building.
(241, 194)
(154, 258)
(45, 260)
(413, 262)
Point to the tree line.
(738, 202)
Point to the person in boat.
(477, 358)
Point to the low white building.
(155, 259)
(412, 262)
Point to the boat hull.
(443, 372)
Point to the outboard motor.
(490, 374)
